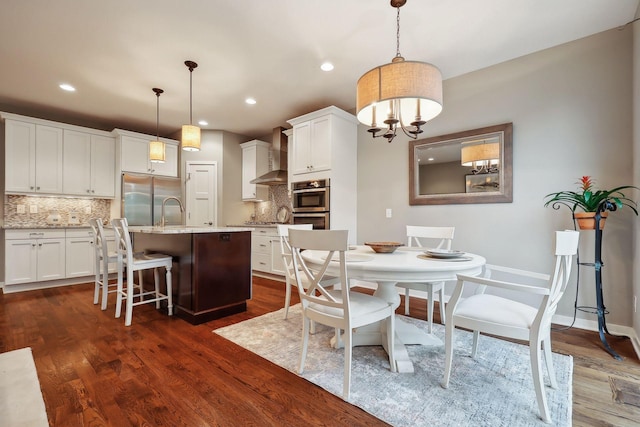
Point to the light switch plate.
(87, 210)
(33, 208)
(73, 218)
(21, 209)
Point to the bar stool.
(103, 259)
(137, 262)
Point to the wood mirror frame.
(448, 148)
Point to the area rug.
(494, 389)
(21, 403)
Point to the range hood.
(278, 173)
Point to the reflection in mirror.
(466, 167)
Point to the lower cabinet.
(265, 251)
(80, 253)
(39, 255)
(34, 256)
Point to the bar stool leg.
(169, 292)
(156, 281)
(129, 308)
(119, 292)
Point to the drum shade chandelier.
(190, 133)
(483, 157)
(156, 148)
(403, 94)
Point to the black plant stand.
(600, 309)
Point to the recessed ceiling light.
(67, 87)
(431, 159)
(327, 66)
(203, 123)
(250, 101)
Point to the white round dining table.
(406, 264)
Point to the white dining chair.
(337, 308)
(287, 259)
(132, 262)
(103, 257)
(432, 238)
(504, 317)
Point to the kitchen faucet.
(164, 202)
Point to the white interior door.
(202, 184)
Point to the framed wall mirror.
(473, 166)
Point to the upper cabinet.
(134, 154)
(93, 159)
(46, 157)
(255, 162)
(320, 141)
(311, 151)
(33, 157)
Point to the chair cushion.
(360, 304)
(497, 310)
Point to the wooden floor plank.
(164, 371)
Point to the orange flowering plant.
(589, 199)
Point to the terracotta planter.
(587, 221)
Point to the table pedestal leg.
(405, 333)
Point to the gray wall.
(571, 111)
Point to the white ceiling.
(115, 51)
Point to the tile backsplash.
(30, 211)
(278, 196)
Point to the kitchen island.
(211, 274)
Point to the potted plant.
(591, 202)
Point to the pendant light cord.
(158, 116)
(190, 96)
(398, 34)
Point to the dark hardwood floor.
(163, 371)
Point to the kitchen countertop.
(45, 227)
(259, 225)
(186, 229)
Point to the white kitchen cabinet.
(265, 251)
(33, 158)
(79, 253)
(255, 162)
(89, 164)
(311, 150)
(134, 154)
(34, 255)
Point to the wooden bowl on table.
(383, 247)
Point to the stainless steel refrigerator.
(142, 197)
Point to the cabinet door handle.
(88, 191)
(31, 188)
(40, 244)
(37, 188)
(33, 245)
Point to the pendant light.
(190, 133)
(156, 148)
(400, 90)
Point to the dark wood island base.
(211, 272)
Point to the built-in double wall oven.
(311, 203)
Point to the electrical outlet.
(21, 209)
(87, 210)
(388, 213)
(33, 208)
